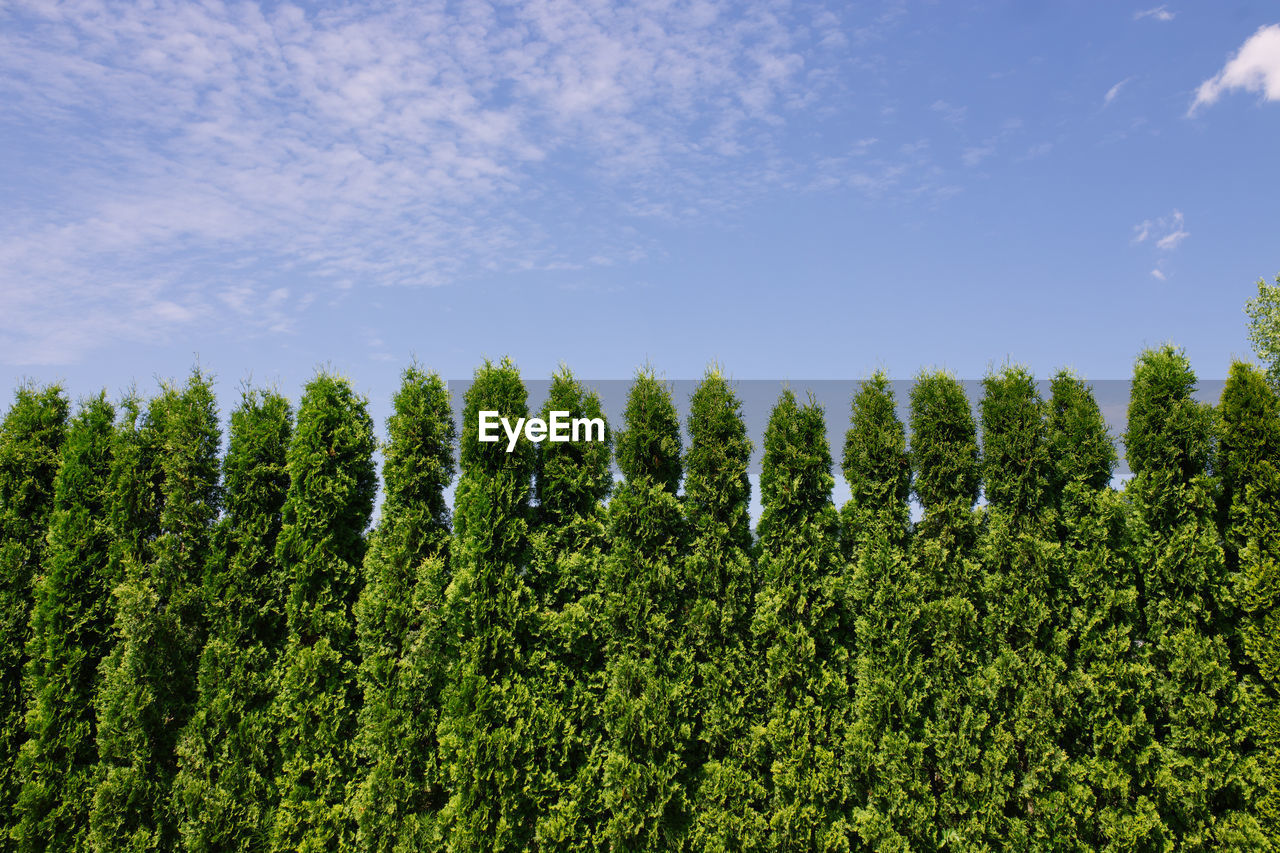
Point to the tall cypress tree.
(70, 630)
(320, 551)
(1250, 466)
(148, 686)
(488, 727)
(1024, 770)
(1103, 729)
(721, 585)
(224, 785)
(947, 477)
(646, 706)
(571, 481)
(31, 437)
(797, 626)
(893, 803)
(1202, 785)
(401, 625)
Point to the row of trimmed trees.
(214, 654)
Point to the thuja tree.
(892, 802)
(1249, 456)
(1202, 785)
(70, 631)
(801, 651)
(148, 688)
(1103, 729)
(720, 585)
(320, 551)
(571, 481)
(488, 727)
(645, 710)
(402, 630)
(31, 437)
(947, 476)
(224, 787)
(1022, 764)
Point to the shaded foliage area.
(31, 438)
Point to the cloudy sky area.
(795, 189)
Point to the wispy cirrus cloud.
(1158, 13)
(180, 162)
(1114, 92)
(1166, 234)
(1254, 68)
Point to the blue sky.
(793, 189)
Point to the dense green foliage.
(890, 801)
(225, 785)
(947, 476)
(1264, 327)
(801, 653)
(148, 682)
(646, 707)
(1103, 729)
(566, 576)
(1203, 782)
(218, 654)
(719, 587)
(1022, 764)
(402, 631)
(31, 437)
(1250, 465)
(70, 630)
(488, 725)
(320, 552)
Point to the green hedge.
(209, 654)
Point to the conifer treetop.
(649, 446)
(1168, 430)
(944, 443)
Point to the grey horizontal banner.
(835, 396)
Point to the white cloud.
(950, 113)
(1254, 68)
(1166, 234)
(206, 160)
(1170, 230)
(1114, 91)
(1175, 236)
(1159, 13)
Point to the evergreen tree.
(224, 787)
(646, 706)
(1023, 767)
(1250, 465)
(571, 481)
(1103, 727)
(947, 476)
(31, 437)
(148, 687)
(798, 640)
(1202, 784)
(720, 583)
(892, 802)
(402, 631)
(70, 632)
(489, 725)
(320, 551)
